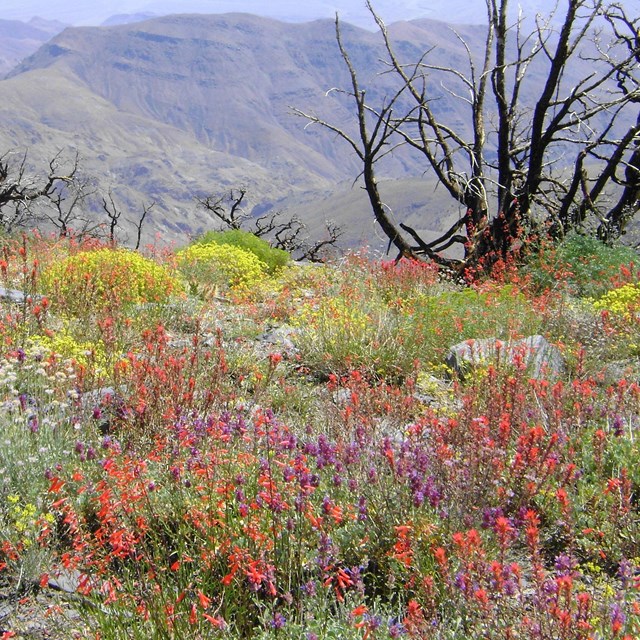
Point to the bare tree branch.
(542, 148)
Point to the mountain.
(181, 106)
(127, 18)
(19, 39)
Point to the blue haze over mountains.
(182, 106)
(77, 12)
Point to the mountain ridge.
(182, 106)
(353, 11)
(19, 39)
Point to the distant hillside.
(127, 18)
(174, 107)
(19, 40)
(180, 106)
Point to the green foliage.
(275, 259)
(583, 264)
(339, 334)
(497, 311)
(107, 279)
(218, 265)
(359, 329)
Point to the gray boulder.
(613, 372)
(542, 359)
(280, 339)
(15, 296)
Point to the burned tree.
(66, 208)
(287, 233)
(59, 199)
(21, 191)
(567, 157)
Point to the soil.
(40, 613)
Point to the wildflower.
(55, 485)
(414, 612)
(359, 611)
(396, 629)
(217, 621)
(278, 621)
(618, 426)
(254, 576)
(564, 564)
(341, 581)
(461, 581)
(362, 509)
(510, 588)
(33, 423)
(504, 530)
(441, 557)
(617, 619)
(625, 572)
(532, 529)
(309, 589)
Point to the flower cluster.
(194, 480)
(103, 278)
(221, 265)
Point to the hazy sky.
(96, 11)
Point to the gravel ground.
(40, 613)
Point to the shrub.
(65, 347)
(620, 313)
(340, 333)
(359, 328)
(108, 278)
(621, 301)
(275, 259)
(398, 281)
(220, 265)
(583, 263)
(452, 316)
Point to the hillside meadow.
(217, 442)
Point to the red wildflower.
(56, 485)
(216, 621)
(204, 600)
(359, 611)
